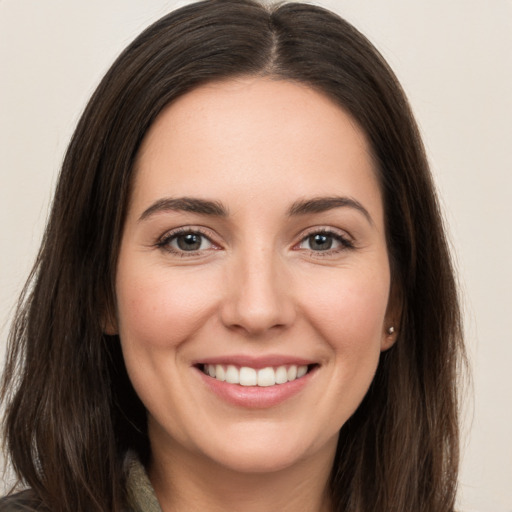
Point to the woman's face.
(253, 251)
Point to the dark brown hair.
(71, 413)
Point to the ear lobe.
(393, 317)
(389, 337)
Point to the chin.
(256, 459)
(260, 451)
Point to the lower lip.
(256, 397)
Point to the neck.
(192, 483)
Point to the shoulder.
(24, 501)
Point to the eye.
(186, 241)
(324, 241)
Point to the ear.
(393, 318)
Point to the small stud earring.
(391, 330)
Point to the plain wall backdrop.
(454, 59)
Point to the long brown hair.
(71, 412)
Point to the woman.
(244, 297)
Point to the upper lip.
(256, 362)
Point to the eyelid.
(328, 230)
(344, 238)
(163, 242)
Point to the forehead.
(255, 138)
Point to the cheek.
(160, 308)
(349, 307)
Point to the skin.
(257, 286)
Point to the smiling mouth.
(262, 377)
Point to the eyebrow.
(216, 208)
(323, 204)
(185, 204)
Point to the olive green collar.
(140, 493)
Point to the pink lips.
(255, 396)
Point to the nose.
(258, 297)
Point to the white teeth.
(232, 375)
(281, 375)
(301, 371)
(264, 377)
(248, 376)
(220, 374)
(292, 372)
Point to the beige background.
(454, 58)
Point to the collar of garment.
(140, 493)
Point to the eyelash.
(345, 242)
(164, 242)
